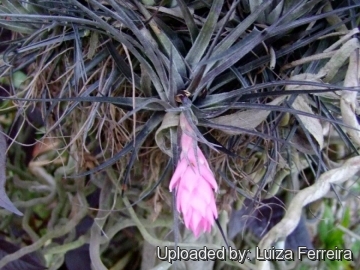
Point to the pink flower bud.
(194, 183)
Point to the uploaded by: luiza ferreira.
(206, 254)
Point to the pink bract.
(194, 183)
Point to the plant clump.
(246, 110)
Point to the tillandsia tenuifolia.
(232, 98)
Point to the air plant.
(120, 83)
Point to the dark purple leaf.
(78, 259)
(265, 216)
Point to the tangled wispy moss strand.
(307, 195)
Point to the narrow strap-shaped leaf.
(240, 29)
(199, 69)
(14, 7)
(214, 141)
(238, 130)
(176, 77)
(175, 135)
(164, 40)
(203, 39)
(222, 232)
(172, 90)
(16, 27)
(45, 18)
(122, 65)
(233, 55)
(139, 107)
(153, 104)
(266, 107)
(189, 20)
(51, 41)
(237, 93)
